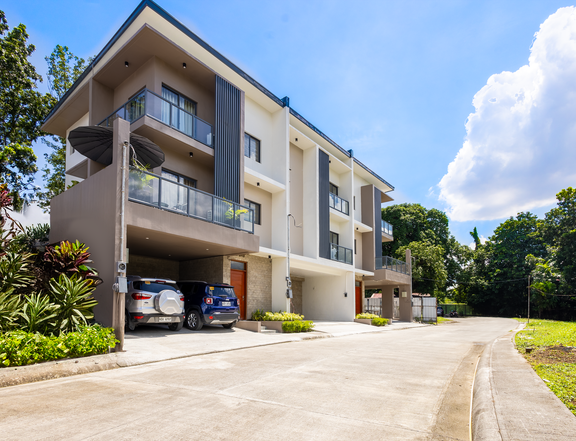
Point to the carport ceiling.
(161, 245)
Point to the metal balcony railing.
(387, 228)
(148, 103)
(149, 189)
(392, 264)
(341, 254)
(339, 204)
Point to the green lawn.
(443, 320)
(552, 354)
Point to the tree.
(22, 110)
(501, 272)
(559, 230)
(64, 68)
(428, 270)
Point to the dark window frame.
(333, 188)
(257, 210)
(180, 176)
(180, 96)
(333, 234)
(257, 152)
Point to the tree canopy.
(22, 109)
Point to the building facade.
(245, 178)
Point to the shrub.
(379, 321)
(18, 348)
(366, 315)
(297, 326)
(279, 316)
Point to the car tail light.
(211, 318)
(208, 300)
(138, 317)
(182, 298)
(140, 296)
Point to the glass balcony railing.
(341, 254)
(387, 228)
(337, 203)
(147, 188)
(148, 103)
(392, 264)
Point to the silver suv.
(157, 301)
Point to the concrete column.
(406, 303)
(388, 302)
(406, 293)
(120, 161)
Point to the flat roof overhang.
(163, 234)
(385, 277)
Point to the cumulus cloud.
(520, 147)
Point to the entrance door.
(358, 298)
(238, 281)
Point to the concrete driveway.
(409, 384)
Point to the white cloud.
(520, 147)
(472, 245)
(31, 215)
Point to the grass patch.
(443, 320)
(549, 346)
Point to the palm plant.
(38, 314)
(74, 299)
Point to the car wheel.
(193, 320)
(229, 325)
(175, 326)
(128, 324)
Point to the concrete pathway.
(511, 402)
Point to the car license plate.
(164, 319)
(226, 303)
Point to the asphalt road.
(403, 385)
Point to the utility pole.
(528, 301)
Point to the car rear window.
(154, 287)
(221, 291)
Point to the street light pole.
(528, 301)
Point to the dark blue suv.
(209, 304)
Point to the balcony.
(392, 264)
(387, 229)
(339, 204)
(147, 103)
(153, 190)
(341, 254)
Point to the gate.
(374, 306)
(424, 309)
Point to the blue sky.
(392, 80)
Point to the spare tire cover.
(168, 302)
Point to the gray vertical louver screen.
(377, 223)
(227, 145)
(324, 204)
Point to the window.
(175, 197)
(354, 246)
(234, 264)
(256, 208)
(251, 147)
(181, 179)
(333, 189)
(172, 114)
(334, 238)
(354, 202)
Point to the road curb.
(484, 420)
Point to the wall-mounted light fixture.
(345, 294)
(257, 184)
(126, 64)
(269, 257)
(183, 65)
(296, 139)
(191, 154)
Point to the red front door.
(238, 281)
(358, 300)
